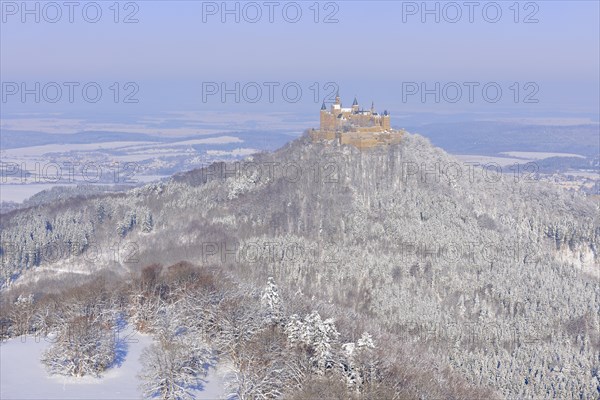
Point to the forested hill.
(494, 275)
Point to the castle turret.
(325, 118)
(355, 105)
(336, 107)
(385, 122)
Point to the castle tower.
(324, 118)
(355, 105)
(336, 109)
(386, 123)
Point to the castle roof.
(355, 103)
(323, 106)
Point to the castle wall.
(386, 122)
(363, 140)
(359, 139)
(317, 135)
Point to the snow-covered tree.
(366, 362)
(86, 346)
(172, 368)
(127, 224)
(147, 221)
(22, 313)
(317, 335)
(44, 318)
(271, 302)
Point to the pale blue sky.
(369, 52)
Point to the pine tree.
(271, 302)
(317, 336)
(147, 222)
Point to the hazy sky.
(377, 50)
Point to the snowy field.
(23, 376)
(538, 155)
(483, 160)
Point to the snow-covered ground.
(483, 160)
(539, 155)
(23, 376)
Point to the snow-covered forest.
(320, 271)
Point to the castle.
(355, 126)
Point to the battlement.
(355, 126)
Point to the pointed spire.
(372, 106)
(323, 106)
(337, 97)
(355, 103)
